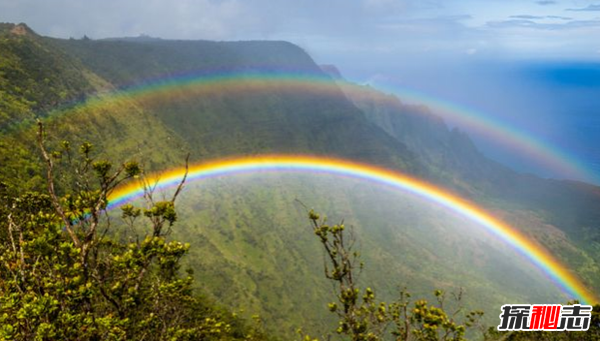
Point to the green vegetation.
(34, 77)
(362, 317)
(64, 276)
(64, 273)
(245, 229)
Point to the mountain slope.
(37, 80)
(260, 118)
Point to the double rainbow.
(540, 257)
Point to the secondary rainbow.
(219, 82)
(522, 142)
(556, 271)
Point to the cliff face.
(332, 71)
(296, 109)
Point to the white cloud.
(589, 8)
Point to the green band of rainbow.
(540, 257)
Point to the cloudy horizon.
(459, 29)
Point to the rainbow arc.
(537, 255)
(222, 82)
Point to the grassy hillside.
(251, 245)
(40, 81)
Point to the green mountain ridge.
(366, 126)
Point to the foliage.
(63, 276)
(592, 334)
(363, 318)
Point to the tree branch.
(51, 190)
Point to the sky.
(561, 28)
(495, 57)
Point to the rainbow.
(540, 257)
(470, 119)
(221, 82)
(216, 83)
